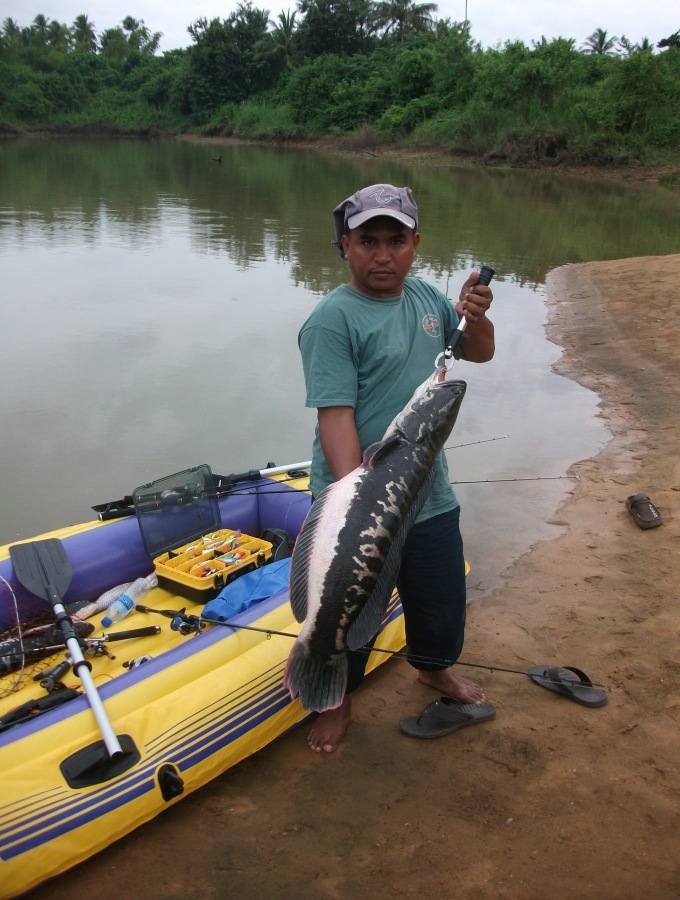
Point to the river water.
(153, 291)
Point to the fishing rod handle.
(168, 613)
(132, 633)
(486, 273)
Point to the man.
(365, 348)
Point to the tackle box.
(193, 555)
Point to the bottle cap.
(106, 622)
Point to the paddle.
(44, 569)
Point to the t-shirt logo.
(431, 325)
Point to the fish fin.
(301, 553)
(374, 452)
(370, 618)
(320, 684)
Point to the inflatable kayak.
(102, 728)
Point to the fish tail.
(319, 683)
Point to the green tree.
(140, 38)
(639, 98)
(10, 28)
(454, 63)
(114, 46)
(84, 35)
(672, 41)
(401, 16)
(223, 66)
(59, 36)
(279, 46)
(629, 48)
(41, 24)
(339, 27)
(329, 93)
(598, 44)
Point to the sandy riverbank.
(550, 799)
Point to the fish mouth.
(443, 375)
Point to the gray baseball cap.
(370, 202)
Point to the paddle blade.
(40, 565)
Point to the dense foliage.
(362, 71)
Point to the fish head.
(431, 413)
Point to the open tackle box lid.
(179, 518)
(176, 509)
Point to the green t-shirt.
(371, 355)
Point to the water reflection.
(153, 298)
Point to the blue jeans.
(431, 585)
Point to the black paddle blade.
(41, 564)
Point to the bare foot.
(329, 728)
(453, 686)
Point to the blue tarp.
(251, 588)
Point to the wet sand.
(550, 799)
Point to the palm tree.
(279, 44)
(598, 44)
(672, 41)
(405, 15)
(58, 35)
(139, 36)
(629, 48)
(41, 24)
(10, 28)
(13, 36)
(84, 34)
(114, 46)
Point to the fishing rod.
(222, 484)
(246, 491)
(228, 484)
(472, 443)
(509, 480)
(188, 624)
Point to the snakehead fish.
(347, 556)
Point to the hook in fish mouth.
(443, 374)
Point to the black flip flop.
(643, 511)
(568, 682)
(445, 716)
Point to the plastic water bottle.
(106, 599)
(125, 602)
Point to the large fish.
(347, 557)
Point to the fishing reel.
(187, 624)
(181, 621)
(50, 679)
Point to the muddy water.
(152, 298)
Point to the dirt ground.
(551, 799)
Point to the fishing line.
(472, 443)
(398, 654)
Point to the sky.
(492, 21)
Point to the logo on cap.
(382, 196)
